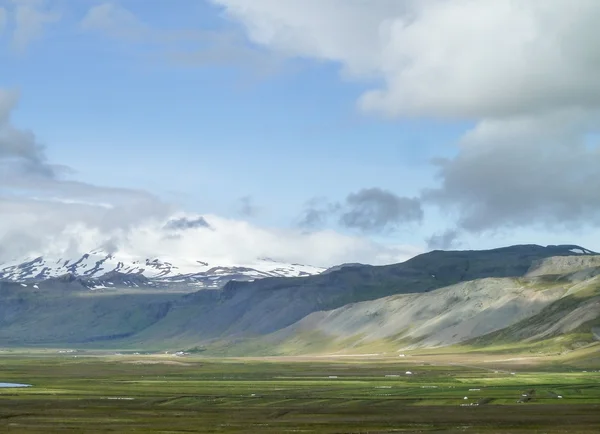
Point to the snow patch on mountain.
(100, 264)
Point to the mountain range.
(544, 297)
(99, 269)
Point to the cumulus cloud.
(27, 174)
(230, 241)
(374, 209)
(37, 201)
(36, 229)
(523, 72)
(338, 30)
(459, 58)
(368, 210)
(29, 229)
(536, 171)
(33, 226)
(43, 212)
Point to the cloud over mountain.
(38, 203)
(518, 77)
(42, 212)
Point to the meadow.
(430, 392)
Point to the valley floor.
(420, 392)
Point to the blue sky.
(203, 103)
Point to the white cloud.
(536, 171)
(31, 17)
(237, 241)
(338, 30)
(524, 72)
(37, 202)
(472, 58)
(41, 212)
(31, 228)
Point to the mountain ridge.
(493, 290)
(98, 266)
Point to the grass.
(87, 392)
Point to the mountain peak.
(103, 266)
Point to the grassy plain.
(104, 392)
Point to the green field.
(87, 392)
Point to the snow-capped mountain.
(101, 269)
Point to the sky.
(312, 131)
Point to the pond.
(2, 385)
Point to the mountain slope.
(482, 312)
(261, 307)
(62, 311)
(563, 304)
(434, 299)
